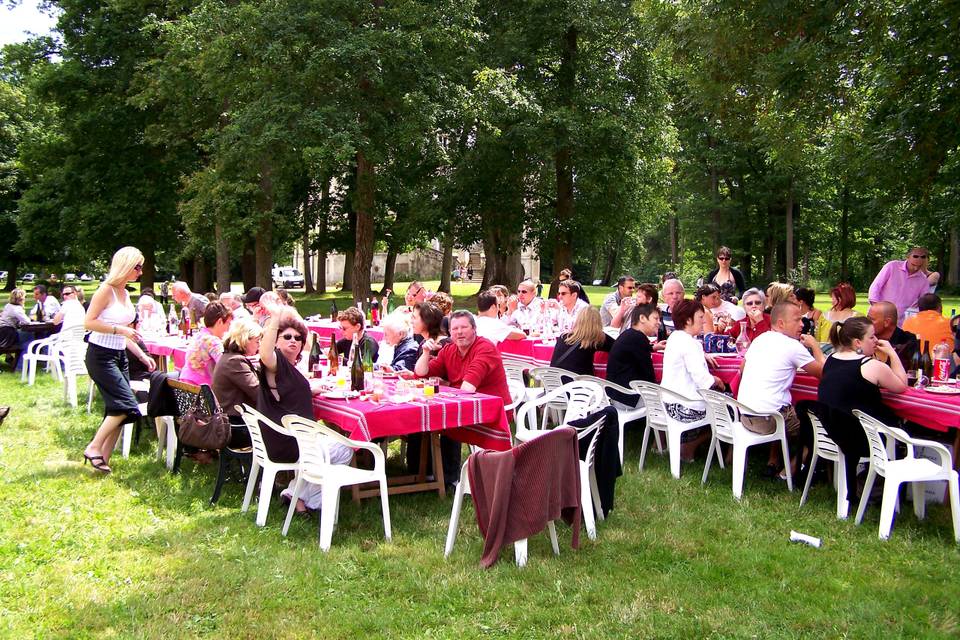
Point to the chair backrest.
(517, 392)
(822, 442)
(723, 411)
(593, 432)
(311, 441)
(254, 419)
(74, 350)
(878, 449)
(653, 400)
(580, 397)
(551, 378)
(608, 386)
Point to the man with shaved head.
(885, 318)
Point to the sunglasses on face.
(292, 336)
(723, 257)
(919, 256)
(415, 293)
(752, 303)
(139, 267)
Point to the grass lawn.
(142, 554)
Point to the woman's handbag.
(204, 431)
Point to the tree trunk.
(248, 268)
(789, 260)
(953, 270)
(389, 269)
(613, 256)
(770, 258)
(844, 233)
(149, 274)
(563, 159)
(12, 276)
(307, 268)
(223, 258)
(200, 272)
(447, 265)
(714, 201)
(674, 242)
(348, 270)
(263, 243)
(364, 208)
(186, 271)
(322, 271)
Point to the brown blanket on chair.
(517, 492)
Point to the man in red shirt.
(468, 362)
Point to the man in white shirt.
(489, 325)
(71, 311)
(769, 368)
(232, 302)
(49, 304)
(568, 293)
(525, 309)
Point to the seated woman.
(719, 315)
(574, 351)
(425, 321)
(728, 279)
(852, 379)
(685, 372)
(843, 299)
(444, 302)
(11, 319)
(235, 376)
(814, 322)
(284, 390)
(396, 332)
(758, 321)
(503, 294)
(778, 292)
(631, 354)
(206, 346)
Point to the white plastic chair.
(725, 414)
(909, 469)
(261, 460)
(463, 489)
(43, 350)
(551, 378)
(581, 398)
(315, 467)
(824, 448)
(73, 350)
(625, 413)
(654, 396)
(126, 435)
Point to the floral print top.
(202, 355)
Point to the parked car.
(85, 278)
(3, 277)
(29, 277)
(287, 277)
(69, 277)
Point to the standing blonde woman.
(108, 319)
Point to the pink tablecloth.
(537, 353)
(474, 418)
(325, 328)
(168, 346)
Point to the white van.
(287, 277)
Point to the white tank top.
(118, 314)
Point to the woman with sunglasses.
(757, 320)
(71, 309)
(729, 279)
(108, 319)
(284, 390)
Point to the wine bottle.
(916, 368)
(356, 367)
(313, 360)
(172, 323)
(333, 356)
(367, 360)
(925, 361)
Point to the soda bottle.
(374, 312)
(941, 363)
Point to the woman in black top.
(574, 350)
(730, 280)
(284, 390)
(852, 379)
(631, 354)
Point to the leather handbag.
(202, 431)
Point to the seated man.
(489, 325)
(568, 294)
(195, 302)
(71, 311)
(46, 305)
(251, 302)
(352, 323)
(396, 334)
(617, 305)
(232, 302)
(630, 356)
(526, 309)
(468, 362)
(672, 294)
(929, 324)
(884, 317)
(769, 367)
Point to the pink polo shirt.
(894, 284)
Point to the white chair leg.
(786, 461)
(520, 552)
(620, 441)
(298, 485)
(329, 499)
(595, 494)
(127, 439)
(251, 484)
(739, 466)
(646, 438)
(30, 369)
(919, 499)
(806, 485)
(843, 500)
(90, 388)
(673, 439)
(890, 491)
(160, 424)
(954, 490)
(552, 529)
(714, 446)
(266, 491)
(656, 439)
(865, 496)
(385, 508)
(586, 506)
(455, 513)
(171, 442)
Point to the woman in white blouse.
(685, 373)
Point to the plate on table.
(944, 390)
(340, 394)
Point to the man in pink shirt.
(902, 282)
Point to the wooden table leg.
(438, 464)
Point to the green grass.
(142, 554)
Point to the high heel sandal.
(101, 466)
